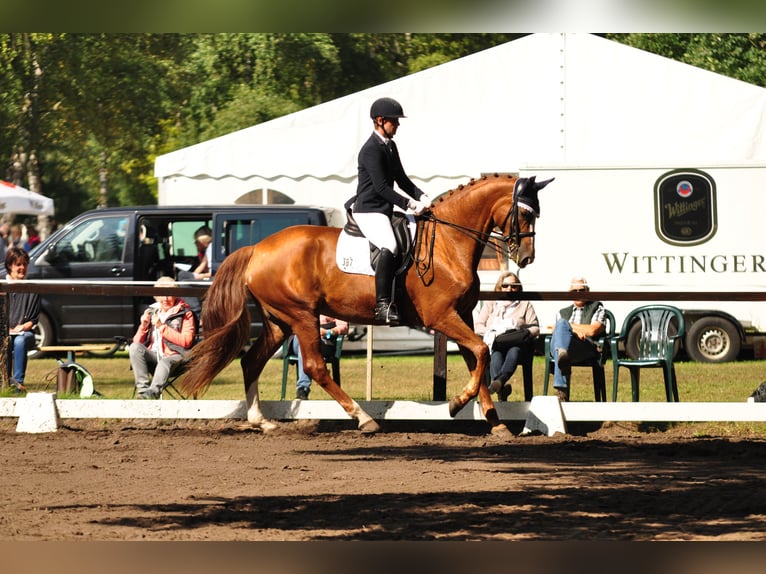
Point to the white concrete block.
(37, 413)
(545, 415)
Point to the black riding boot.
(385, 310)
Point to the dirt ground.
(115, 480)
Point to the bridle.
(513, 239)
(516, 235)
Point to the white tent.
(15, 199)
(545, 99)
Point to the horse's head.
(519, 223)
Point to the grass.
(411, 378)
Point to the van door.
(94, 249)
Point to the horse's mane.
(458, 194)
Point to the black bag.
(512, 338)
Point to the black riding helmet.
(387, 108)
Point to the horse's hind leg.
(253, 362)
(316, 368)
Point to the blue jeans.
(304, 382)
(578, 350)
(21, 344)
(503, 365)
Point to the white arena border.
(543, 411)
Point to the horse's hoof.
(264, 425)
(455, 407)
(501, 431)
(268, 426)
(369, 427)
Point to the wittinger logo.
(684, 189)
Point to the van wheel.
(712, 340)
(43, 336)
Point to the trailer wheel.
(634, 332)
(712, 340)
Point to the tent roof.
(571, 99)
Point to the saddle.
(404, 241)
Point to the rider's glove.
(417, 207)
(425, 200)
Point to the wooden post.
(369, 362)
(440, 367)
(5, 363)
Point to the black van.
(139, 244)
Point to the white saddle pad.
(353, 253)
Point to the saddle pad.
(353, 255)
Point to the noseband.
(516, 235)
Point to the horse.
(293, 277)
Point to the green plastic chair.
(661, 326)
(596, 364)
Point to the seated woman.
(509, 329)
(23, 315)
(164, 336)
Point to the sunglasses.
(581, 290)
(509, 285)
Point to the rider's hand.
(417, 207)
(425, 200)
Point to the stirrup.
(387, 313)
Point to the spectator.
(203, 238)
(4, 238)
(509, 328)
(165, 334)
(572, 339)
(329, 330)
(14, 236)
(33, 238)
(23, 314)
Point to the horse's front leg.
(476, 356)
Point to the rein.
(423, 264)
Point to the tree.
(740, 56)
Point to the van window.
(95, 240)
(242, 232)
(182, 237)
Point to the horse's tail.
(225, 324)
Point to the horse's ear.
(531, 179)
(542, 184)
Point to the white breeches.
(377, 229)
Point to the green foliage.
(740, 56)
(97, 109)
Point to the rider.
(379, 168)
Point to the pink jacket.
(177, 331)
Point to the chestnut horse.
(293, 277)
